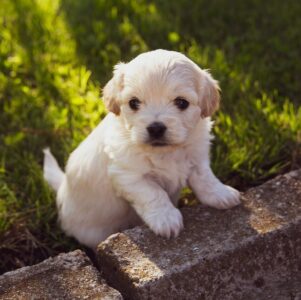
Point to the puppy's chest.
(170, 171)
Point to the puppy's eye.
(134, 103)
(181, 103)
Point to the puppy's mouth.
(157, 143)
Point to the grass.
(56, 55)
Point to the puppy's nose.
(156, 130)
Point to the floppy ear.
(209, 93)
(111, 91)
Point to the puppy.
(154, 141)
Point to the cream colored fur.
(116, 178)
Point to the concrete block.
(66, 276)
(249, 252)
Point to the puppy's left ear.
(209, 93)
(111, 91)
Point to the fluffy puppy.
(154, 141)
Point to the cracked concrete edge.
(66, 276)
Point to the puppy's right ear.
(111, 91)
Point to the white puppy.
(154, 142)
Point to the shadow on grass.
(258, 38)
(107, 32)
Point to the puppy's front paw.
(166, 222)
(222, 197)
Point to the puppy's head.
(160, 96)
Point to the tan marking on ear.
(209, 92)
(111, 91)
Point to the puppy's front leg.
(150, 202)
(210, 191)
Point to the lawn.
(56, 55)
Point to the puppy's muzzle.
(156, 130)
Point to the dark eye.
(134, 103)
(181, 103)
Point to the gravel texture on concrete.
(249, 252)
(66, 276)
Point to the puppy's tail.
(53, 174)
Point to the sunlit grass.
(56, 55)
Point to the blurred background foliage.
(55, 55)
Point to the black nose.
(156, 130)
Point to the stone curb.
(66, 276)
(250, 252)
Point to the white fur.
(116, 177)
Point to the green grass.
(56, 55)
